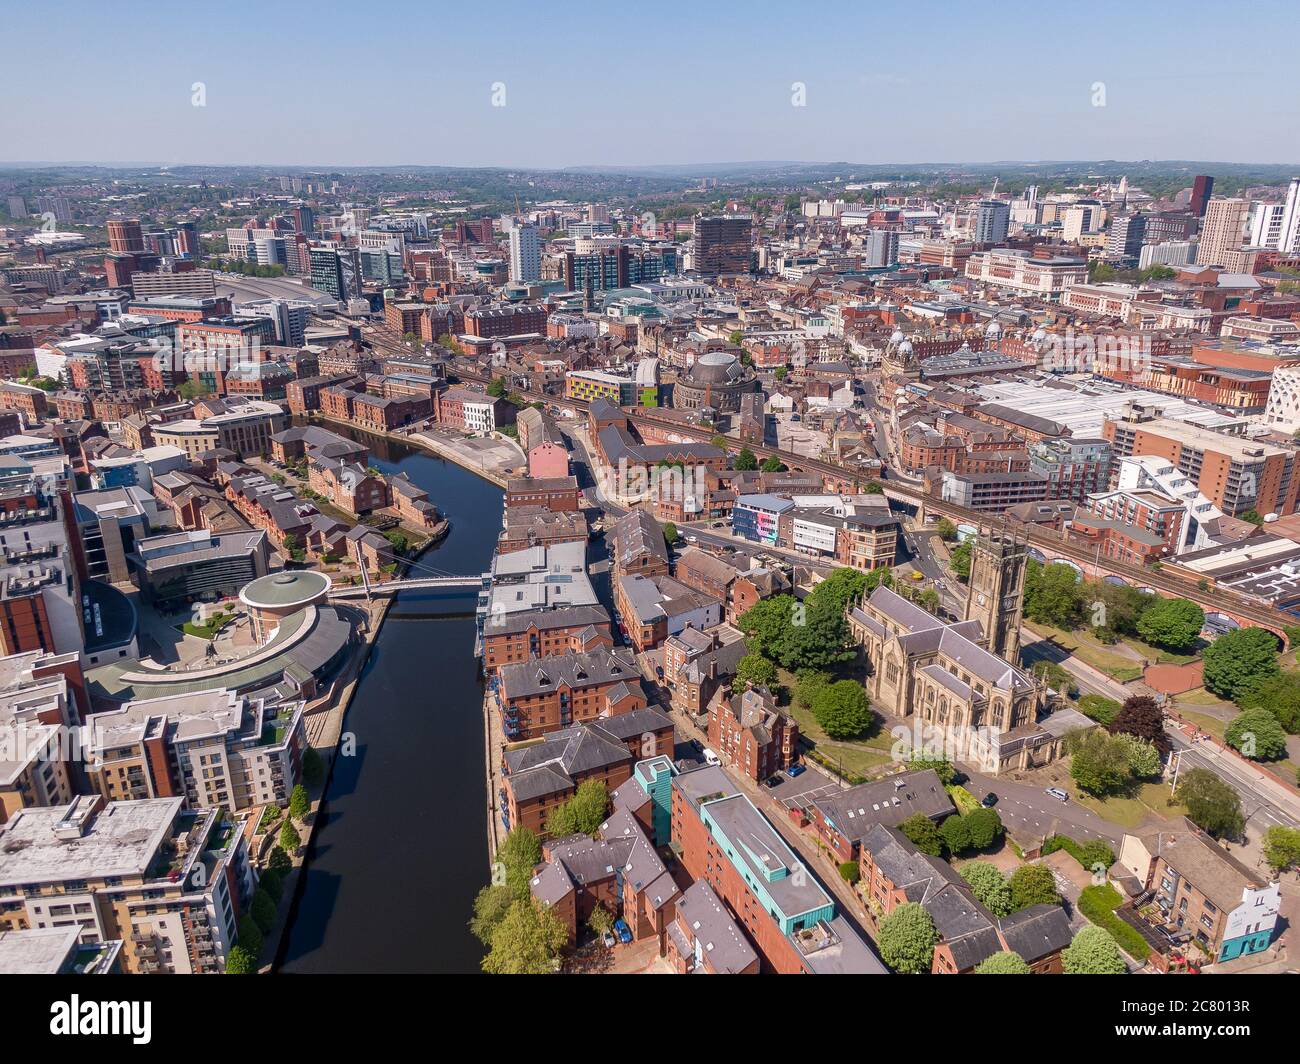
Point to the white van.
(710, 758)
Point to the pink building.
(548, 460)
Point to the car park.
(989, 800)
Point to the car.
(710, 758)
(1058, 794)
(773, 781)
(795, 770)
(659, 671)
(989, 800)
(608, 940)
(624, 932)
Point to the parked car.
(1058, 794)
(989, 800)
(659, 671)
(608, 940)
(624, 932)
(795, 770)
(773, 781)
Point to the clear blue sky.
(632, 83)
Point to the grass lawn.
(1131, 811)
(209, 628)
(1199, 696)
(1083, 646)
(859, 756)
(1212, 725)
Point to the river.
(402, 847)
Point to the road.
(1030, 808)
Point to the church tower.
(995, 595)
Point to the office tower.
(1225, 219)
(1079, 218)
(1169, 253)
(1266, 224)
(125, 236)
(721, 244)
(1202, 188)
(336, 270)
(56, 205)
(525, 254)
(304, 219)
(881, 248)
(992, 219)
(1124, 241)
(1289, 229)
(17, 207)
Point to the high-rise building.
(1289, 227)
(1225, 221)
(17, 207)
(992, 220)
(125, 236)
(995, 595)
(336, 270)
(1266, 224)
(304, 219)
(881, 248)
(525, 254)
(1202, 187)
(1124, 241)
(722, 244)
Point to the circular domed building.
(715, 380)
(273, 597)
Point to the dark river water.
(402, 849)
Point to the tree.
(780, 373)
(601, 920)
(1005, 962)
(192, 389)
(773, 465)
(720, 442)
(810, 681)
(1093, 952)
(1282, 847)
(956, 834)
(582, 814)
(920, 829)
(985, 827)
(745, 460)
(1280, 696)
(929, 600)
(272, 882)
(735, 336)
(497, 388)
(1143, 758)
(1253, 516)
(397, 540)
(959, 560)
(1100, 708)
(527, 941)
(850, 872)
(1212, 805)
(490, 907)
(946, 529)
(289, 838)
(519, 853)
(313, 768)
(1053, 595)
(842, 709)
(873, 487)
(670, 533)
(943, 768)
(843, 586)
(1240, 660)
(1033, 884)
(1056, 676)
(1172, 623)
(279, 860)
(989, 886)
(262, 910)
(823, 640)
(1141, 717)
(907, 938)
(1256, 734)
(1098, 761)
(755, 670)
(299, 803)
(240, 962)
(766, 624)
(250, 936)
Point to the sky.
(550, 85)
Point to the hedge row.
(1098, 904)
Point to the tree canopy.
(842, 709)
(1093, 952)
(1257, 734)
(527, 940)
(1172, 623)
(1242, 659)
(1007, 962)
(1213, 805)
(989, 886)
(1033, 884)
(907, 939)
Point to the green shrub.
(1098, 904)
(850, 872)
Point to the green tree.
(823, 640)
(989, 886)
(240, 962)
(313, 768)
(1172, 623)
(250, 936)
(1141, 717)
(601, 920)
(943, 768)
(844, 585)
(773, 465)
(1282, 847)
(842, 709)
(984, 826)
(1212, 805)
(946, 529)
(670, 533)
(929, 601)
(809, 682)
(756, 670)
(527, 940)
(1143, 758)
(1098, 761)
(1280, 695)
(1253, 516)
(272, 882)
(1033, 884)
(1257, 734)
(1005, 962)
(1093, 952)
(907, 939)
(719, 441)
(582, 814)
(959, 560)
(496, 388)
(874, 487)
(490, 907)
(956, 835)
(299, 802)
(279, 860)
(735, 337)
(1053, 595)
(780, 373)
(397, 540)
(920, 829)
(766, 625)
(850, 872)
(519, 853)
(1240, 660)
(745, 460)
(289, 838)
(262, 910)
